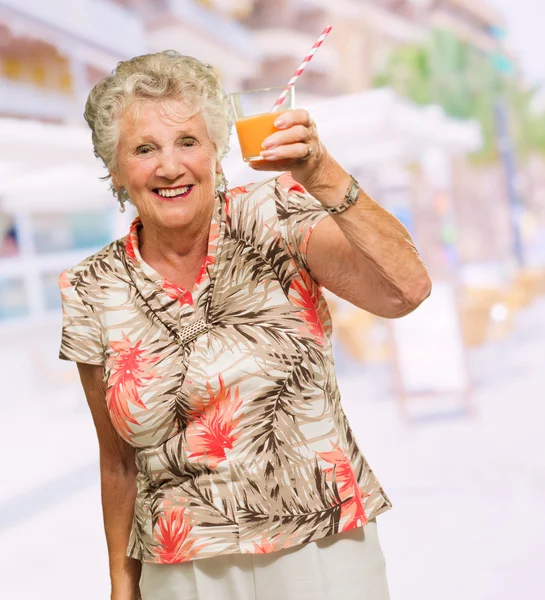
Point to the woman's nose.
(170, 165)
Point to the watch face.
(354, 191)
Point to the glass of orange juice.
(254, 117)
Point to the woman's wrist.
(325, 180)
(125, 581)
(128, 591)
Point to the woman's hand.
(295, 147)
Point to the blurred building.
(472, 21)
(51, 53)
(53, 208)
(206, 29)
(480, 192)
(364, 35)
(458, 213)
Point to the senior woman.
(228, 468)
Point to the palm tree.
(465, 82)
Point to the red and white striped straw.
(301, 68)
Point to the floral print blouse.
(226, 391)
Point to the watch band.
(350, 198)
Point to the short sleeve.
(81, 331)
(298, 214)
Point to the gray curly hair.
(166, 75)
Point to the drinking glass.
(254, 117)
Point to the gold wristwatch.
(350, 198)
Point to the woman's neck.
(171, 251)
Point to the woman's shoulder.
(282, 182)
(92, 268)
(268, 197)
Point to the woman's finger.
(290, 118)
(297, 133)
(296, 152)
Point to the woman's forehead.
(149, 115)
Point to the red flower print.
(209, 260)
(171, 534)
(304, 296)
(289, 184)
(130, 370)
(352, 511)
(241, 189)
(266, 547)
(64, 283)
(129, 249)
(177, 293)
(132, 239)
(211, 432)
(236, 191)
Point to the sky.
(525, 20)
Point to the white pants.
(346, 566)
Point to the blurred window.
(9, 244)
(51, 294)
(61, 232)
(13, 302)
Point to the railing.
(99, 22)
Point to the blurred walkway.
(468, 493)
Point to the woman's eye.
(143, 150)
(188, 142)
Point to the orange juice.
(253, 130)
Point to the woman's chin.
(176, 219)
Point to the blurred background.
(437, 107)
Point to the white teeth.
(171, 193)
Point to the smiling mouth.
(172, 194)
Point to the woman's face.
(167, 165)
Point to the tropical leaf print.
(129, 372)
(239, 190)
(352, 511)
(294, 506)
(276, 439)
(212, 432)
(171, 535)
(129, 246)
(288, 184)
(266, 546)
(177, 293)
(208, 261)
(303, 298)
(241, 441)
(64, 282)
